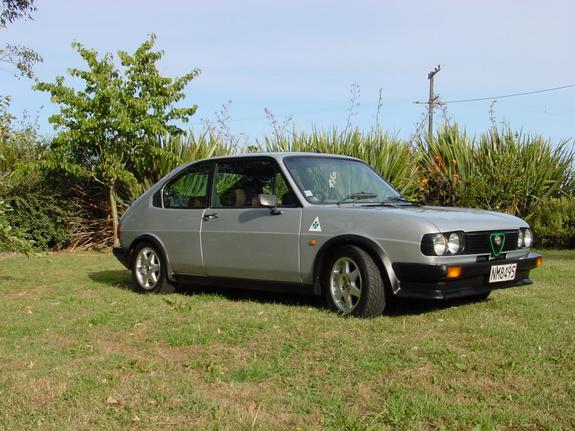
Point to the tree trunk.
(114, 209)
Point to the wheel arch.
(370, 246)
(154, 240)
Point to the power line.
(479, 99)
(391, 101)
(543, 112)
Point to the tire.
(353, 283)
(149, 270)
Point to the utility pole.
(432, 101)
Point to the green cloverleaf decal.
(497, 241)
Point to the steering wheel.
(175, 198)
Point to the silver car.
(324, 224)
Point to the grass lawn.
(80, 350)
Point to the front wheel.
(353, 283)
(149, 270)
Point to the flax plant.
(514, 172)
(391, 157)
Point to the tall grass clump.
(515, 172)
(446, 165)
(500, 170)
(172, 151)
(391, 157)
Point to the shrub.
(40, 215)
(9, 240)
(441, 184)
(554, 223)
(446, 163)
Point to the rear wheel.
(149, 270)
(353, 283)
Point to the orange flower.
(437, 159)
(424, 182)
(456, 176)
(454, 162)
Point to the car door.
(184, 200)
(241, 239)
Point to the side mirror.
(269, 201)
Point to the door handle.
(210, 216)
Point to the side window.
(189, 190)
(238, 184)
(286, 198)
(157, 199)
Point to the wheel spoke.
(154, 277)
(353, 275)
(354, 291)
(347, 300)
(346, 267)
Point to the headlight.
(442, 244)
(520, 239)
(454, 243)
(527, 238)
(439, 244)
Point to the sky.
(299, 59)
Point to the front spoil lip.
(434, 282)
(426, 273)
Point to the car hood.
(452, 219)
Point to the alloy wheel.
(345, 284)
(148, 268)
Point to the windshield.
(325, 180)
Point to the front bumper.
(123, 255)
(430, 281)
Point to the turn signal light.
(538, 262)
(453, 272)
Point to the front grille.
(479, 243)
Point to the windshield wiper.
(402, 199)
(358, 196)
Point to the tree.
(108, 130)
(20, 56)
(11, 10)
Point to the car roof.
(276, 155)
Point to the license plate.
(502, 272)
